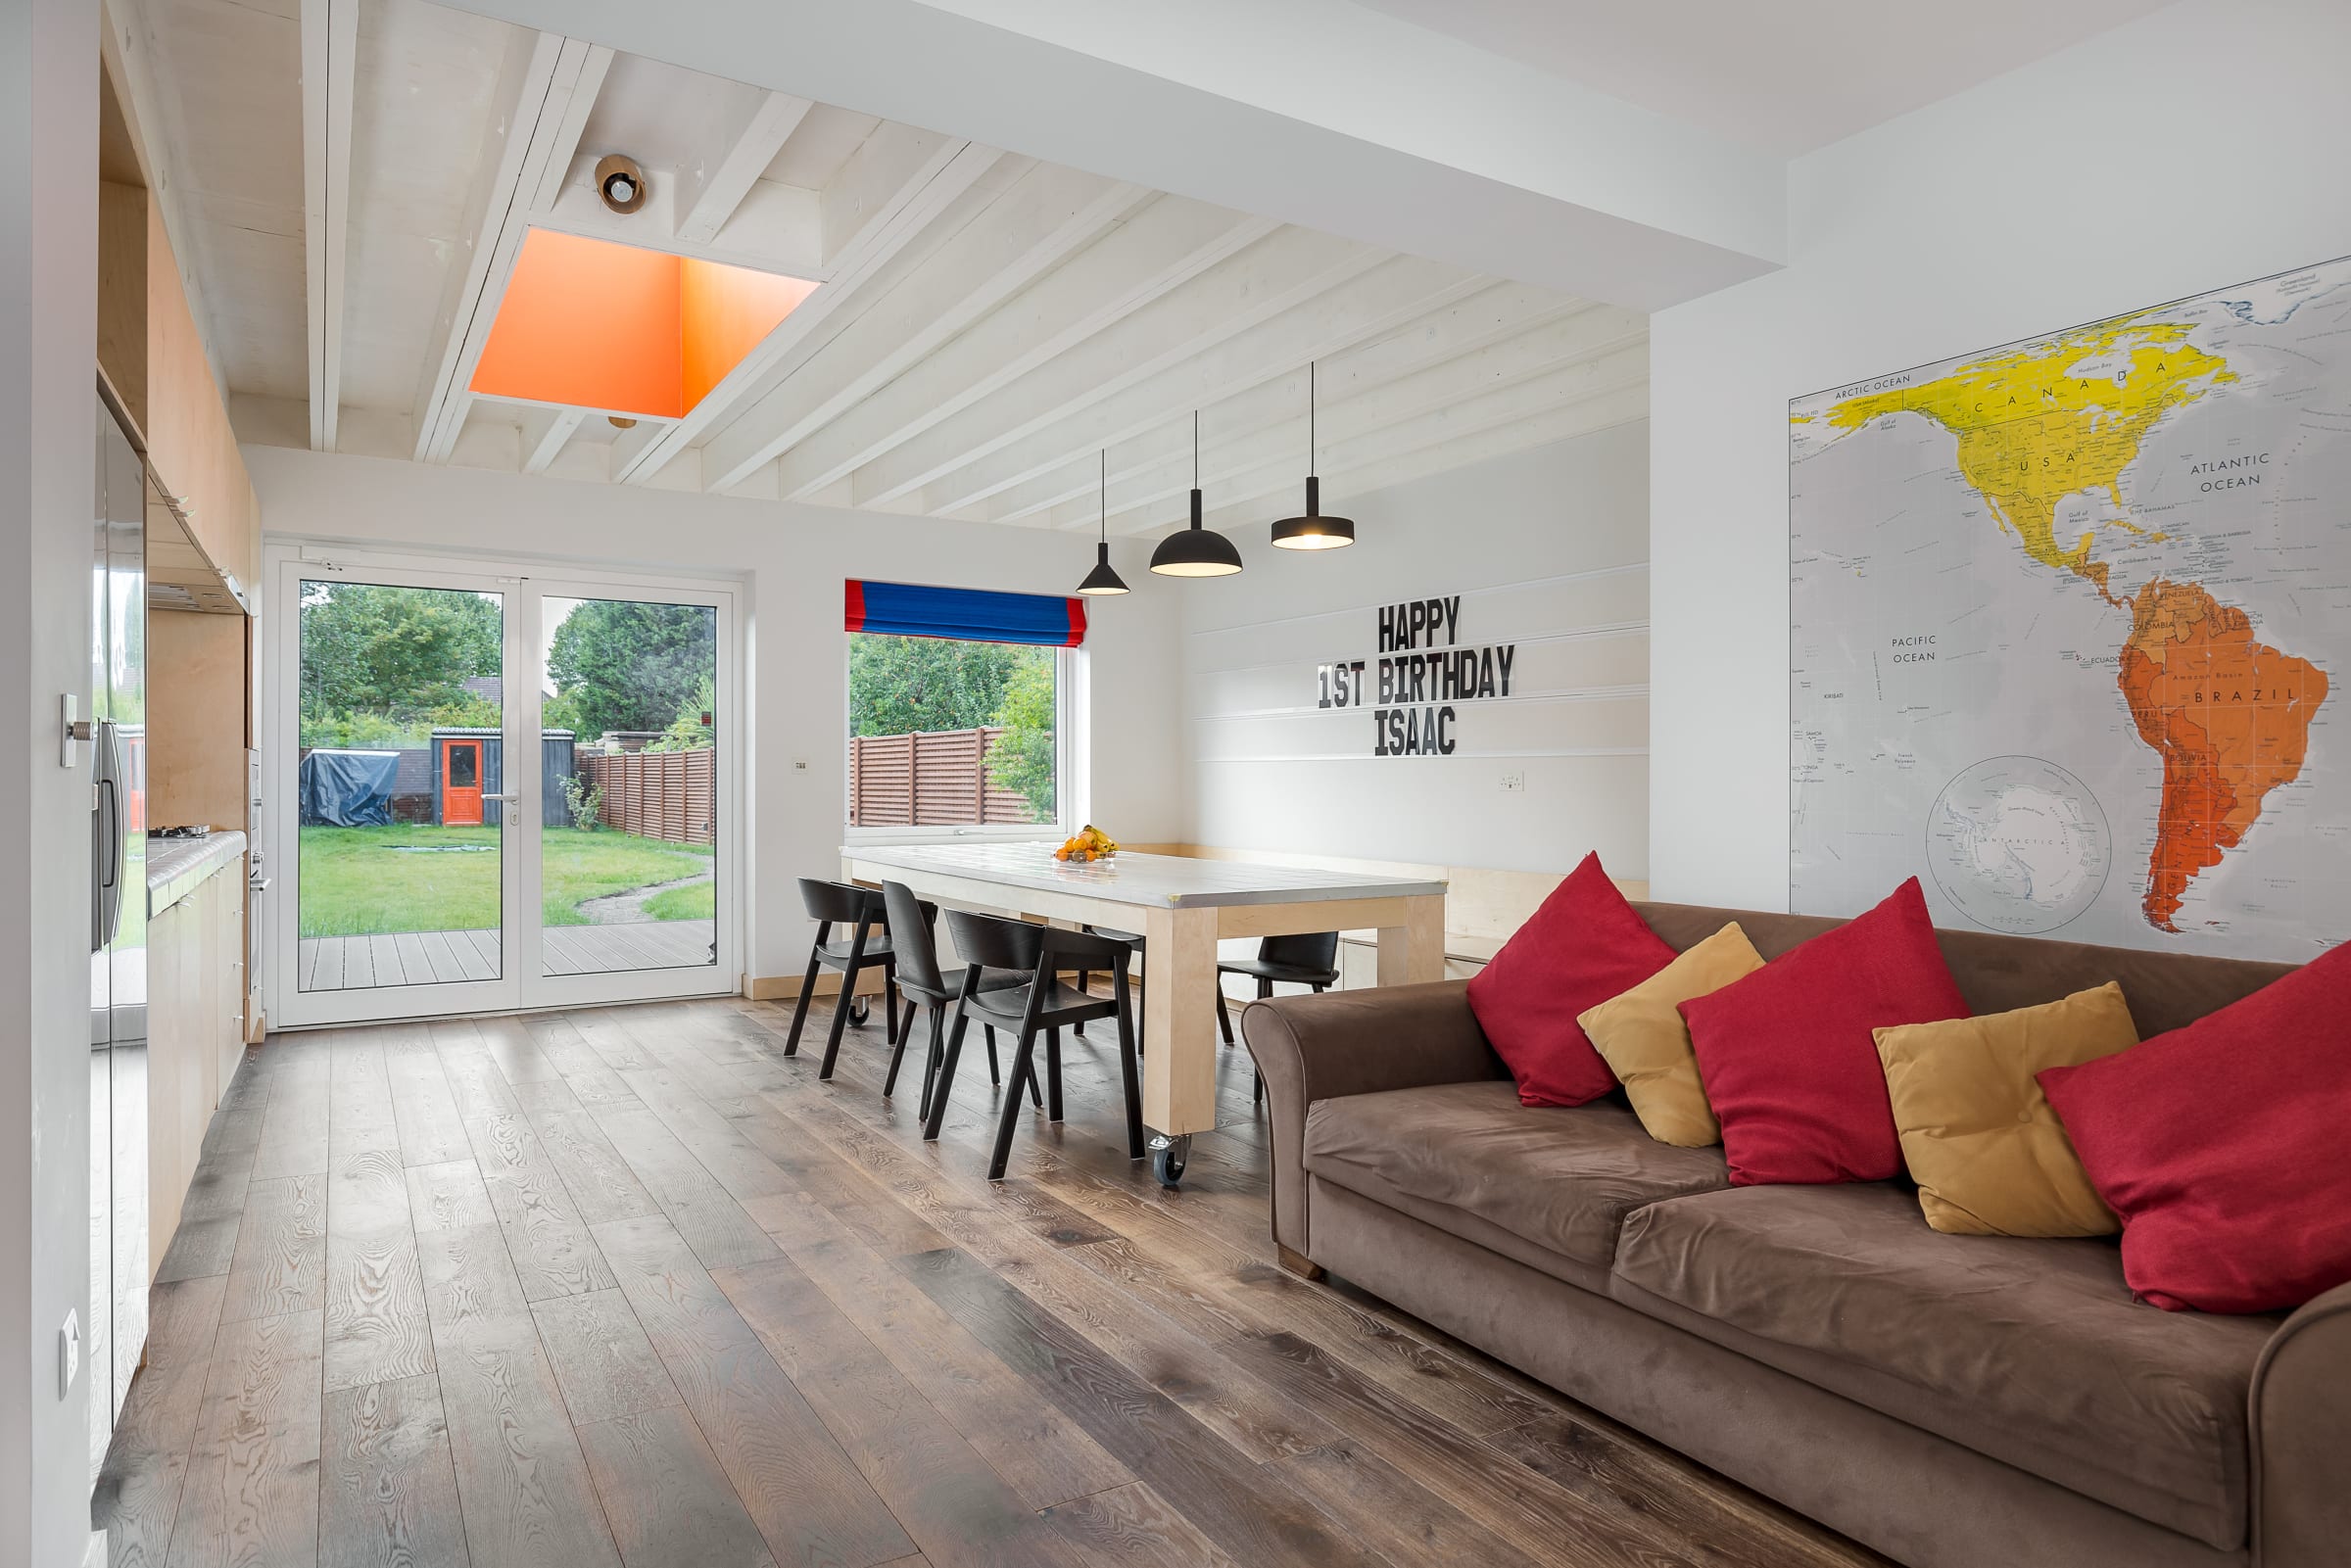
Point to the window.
(950, 733)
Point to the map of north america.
(2069, 605)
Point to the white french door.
(493, 788)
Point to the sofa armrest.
(2301, 1418)
(1310, 1048)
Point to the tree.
(393, 652)
(618, 664)
(1023, 757)
(694, 727)
(899, 685)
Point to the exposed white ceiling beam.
(330, 52)
(1029, 227)
(546, 108)
(1458, 327)
(933, 174)
(731, 174)
(1051, 352)
(1575, 399)
(1352, 407)
(1116, 387)
(544, 435)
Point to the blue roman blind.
(968, 614)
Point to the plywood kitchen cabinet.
(195, 1034)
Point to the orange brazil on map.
(2229, 717)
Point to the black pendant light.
(1102, 582)
(1197, 551)
(1313, 531)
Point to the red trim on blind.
(854, 620)
(1076, 621)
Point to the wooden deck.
(629, 1285)
(428, 958)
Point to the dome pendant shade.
(1313, 531)
(1102, 580)
(1197, 551)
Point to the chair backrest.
(998, 943)
(835, 901)
(910, 937)
(1311, 950)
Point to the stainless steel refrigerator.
(116, 1337)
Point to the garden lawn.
(699, 902)
(363, 881)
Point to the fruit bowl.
(1087, 843)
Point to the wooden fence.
(932, 778)
(670, 795)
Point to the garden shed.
(466, 769)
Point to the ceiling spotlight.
(620, 182)
(1313, 531)
(1195, 551)
(620, 421)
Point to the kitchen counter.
(178, 867)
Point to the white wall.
(2196, 148)
(794, 558)
(48, 345)
(1549, 549)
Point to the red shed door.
(462, 784)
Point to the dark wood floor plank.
(522, 1482)
(251, 1490)
(377, 1331)
(688, 1196)
(670, 1505)
(604, 1364)
(138, 1491)
(1135, 1527)
(957, 1509)
(1250, 1511)
(294, 1126)
(1039, 1452)
(585, 1070)
(610, 1037)
(448, 1196)
(280, 1260)
(513, 1049)
(714, 1140)
(1402, 1518)
(552, 1253)
(388, 1489)
(811, 1502)
(359, 1106)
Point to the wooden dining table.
(1182, 906)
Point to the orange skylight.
(591, 325)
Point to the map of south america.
(2154, 461)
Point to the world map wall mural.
(2066, 623)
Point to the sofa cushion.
(2029, 1352)
(1642, 1037)
(1546, 1185)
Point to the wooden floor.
(425, 957)
(629, 1286)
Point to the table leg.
(1179, 1026)
(1416, 950)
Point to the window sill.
(1026, 834)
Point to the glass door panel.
(629, 780)
(399, 876)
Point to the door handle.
(509, 799)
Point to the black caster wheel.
(860, 1009)
(1167, 1159)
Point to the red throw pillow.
(1583, 947)
(2220, 1146)
(1788, 1057)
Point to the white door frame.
(522, 981)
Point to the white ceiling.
(1786, 74)
(985, 323)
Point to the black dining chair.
(1085, 978)
(1045, 954)
(832, 904)
(1311, 960)
(912, 923)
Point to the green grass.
(361, 881)
(699, 902)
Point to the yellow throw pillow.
(1642, 1037)
(1988, 1153)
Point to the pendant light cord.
(1105, 495)
(1310, 418)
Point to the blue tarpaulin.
(348, 788)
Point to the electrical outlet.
(799, 764)
(1514, 781)
(69, 1351)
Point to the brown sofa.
(1953, 1402)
